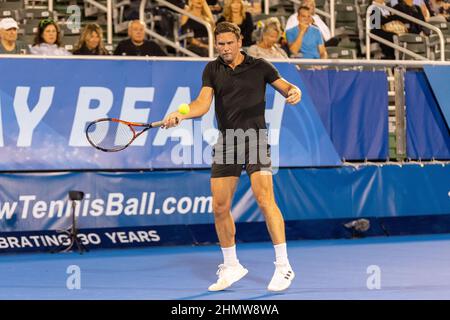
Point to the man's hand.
(172, 120)
(302, 27)
(294, 96)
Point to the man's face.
(136, 32)
(228, 46)
(304, 17)
(9, 34)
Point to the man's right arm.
(295, 46)
(198, 108)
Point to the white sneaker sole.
(222, 285)
(278, 289)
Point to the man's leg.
(262, 186)
(222, 189)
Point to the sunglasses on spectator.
(45, 22)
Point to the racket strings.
(110, 135)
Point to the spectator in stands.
(136, 45)
(305, 40)
(214, 6)
(408, 7)
(424, 7)
(234, 11)
(267, 46)
(199, 42)
(48, 40)
(91, 41)
(389, 26)
(439, 10)
(317, 21)
(8, 38)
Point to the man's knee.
(265, 202)
(221, 208)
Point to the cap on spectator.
(8, 23)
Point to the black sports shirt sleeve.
(207, 80)
(270, 72)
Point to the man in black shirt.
(136, 45)
(408, 7)
(238, 83)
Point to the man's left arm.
(291, 92)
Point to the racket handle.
(157, 124)
(160, 123)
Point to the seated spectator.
(234, 11)
(199, 42)
(214, 6)
(48, 40)
(317, 21)
(305, 40)
(424, 7)
(408, 7)
(91, 41)
(267, 47)
(439, 10)
(8, 38)
(389, 26)
(136, 45)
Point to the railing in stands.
(370, 35)
(184, 12)
(109, 16)
(157, 36)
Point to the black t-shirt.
(148, 48)
(196, 27)
(413, 11)
(85, 51)
(240, 94)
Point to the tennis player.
(238, 81)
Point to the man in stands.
(305, 40)
(136, 45)
(8, 38)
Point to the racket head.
(110, 134)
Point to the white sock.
(281, 253)
(229, 256)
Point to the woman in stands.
(234, 11)
(91, 41)
(199, 42)
(48, 40)
(267, 46)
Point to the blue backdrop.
(46, 104)
(427, 135)
(353, 106)
(39, 201)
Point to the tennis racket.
(112, 135)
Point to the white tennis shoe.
(282, 277)
(227, 276)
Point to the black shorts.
(229, 161)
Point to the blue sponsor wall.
(44, 114)
(147, 208)
(427, 134)
(45, 106)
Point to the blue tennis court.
(411, 267)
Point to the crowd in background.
(305, 34)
